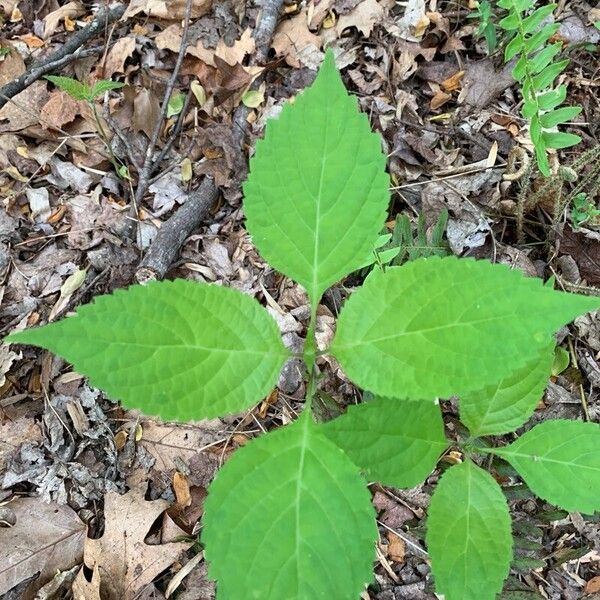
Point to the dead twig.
(165, 247)
(152, 161)
(71, 50)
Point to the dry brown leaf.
(440, 98)
(317, 11)
(86, 590)
(146, 111)
(32, 41)
(172, 10)
(295, 42)
(52, 20)
(13, 434)
(181, 487)
(235, 54)
(24, 109)
(44, 539)
(119, 53)
(593, 585)
(12, 65)
(125, 562)
(396, 547)
(170, 443)
(364, 17)
(414, 22)
(59, 110)
(453, 82)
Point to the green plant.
(584, 210)
(289, 515)
(536, 71)
(487, 27)
(416, 246)
(82, 91)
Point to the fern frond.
(536, 71)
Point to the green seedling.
(584, 210)
(289, 516)
(82, 91)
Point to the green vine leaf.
(506, 405)
(560, 462)
(469, 534)
(395, 441)
(472, 321)
(317, 191)
(178, 349)
(290, 517)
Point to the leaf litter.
(450, 122)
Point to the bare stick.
(149, 163)
(71, 50)
(165, 247)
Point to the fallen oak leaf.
(45, 538)
(125, 562)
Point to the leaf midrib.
(194, 347)
(541, 459)
(423, 330)
(313, 297)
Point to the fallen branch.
(71, 50)
(174, 231)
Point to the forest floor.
(73, 461)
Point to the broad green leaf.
(560, 462)
(395, 441)
(289, 518)
(178, 349)
(553, 98)
(175, 104)
(543, 58)
(561, 115)
(541, 37)
(513, 48)
(469, 534)
(506, 405)
(520, 68)
(472, 321)
(253, 98)
(542, 157)
(560, 139)
(75, 89)
(536, 17)
(562, 359)
(317, 193)
(544, 79)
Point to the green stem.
(102, 133)
(310, 354)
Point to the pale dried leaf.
(59, 110)
(125, 562)
(39, 203)
(146, 111)
(364, 17)
(14, 433)
(12, 65)
(53, 19)
(170, 443)
(118, 54)
(44, 539)
(294, 41)
(167, 9)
